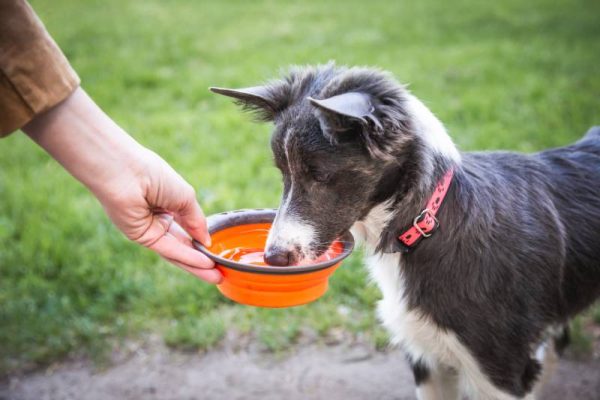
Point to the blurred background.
(507, 74)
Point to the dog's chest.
(416, 333)
(420, 337)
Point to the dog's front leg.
(437, 383)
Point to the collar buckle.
(426, 223)
(426, 213)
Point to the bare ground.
(346, 370)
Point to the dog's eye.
(320, 176)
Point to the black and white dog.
(516, 252)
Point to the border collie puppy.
(481, 257)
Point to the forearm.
(144, 197)
(85, 141)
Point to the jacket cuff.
(34, 73)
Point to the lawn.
(520, 75)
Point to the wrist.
(88, 144)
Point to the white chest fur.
(407, 328)
(416, 333)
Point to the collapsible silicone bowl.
(266, 286)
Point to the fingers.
(208, 275)
(175, 246)
(172, 248)
(167, 190)
(159, 225)
(192, 219)
(179, 233)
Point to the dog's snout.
(278, 257)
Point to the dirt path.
(343, 371)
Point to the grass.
(508, 74)
(185, 334)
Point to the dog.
(493, 267)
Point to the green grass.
(508, 74)
(196, 333)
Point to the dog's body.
(522, 256)
(517, 252)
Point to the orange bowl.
(264, 285)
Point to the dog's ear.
(351, 116)
(341, 112)
(381, 123)
(264, 101)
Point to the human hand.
(153, 206)
(143, 196)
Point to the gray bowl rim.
(228, 219)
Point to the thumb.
(168, 191)
(192, 219)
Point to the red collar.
(426, 222)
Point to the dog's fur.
(517, 252)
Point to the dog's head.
(342, 141)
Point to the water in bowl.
(256, 256)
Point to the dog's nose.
(278, 257)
